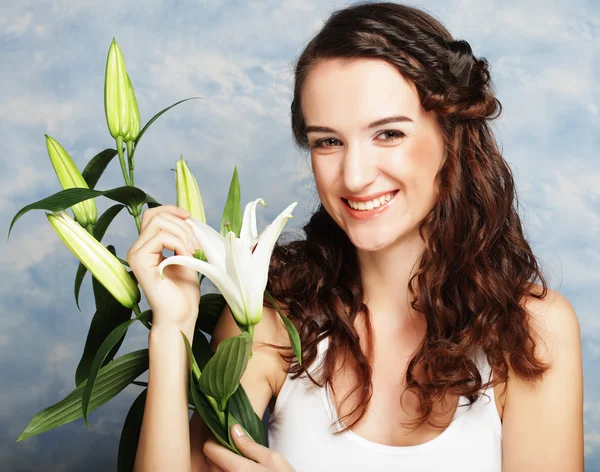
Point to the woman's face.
(351, 159)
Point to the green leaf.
(210, 309)
(241, 409)
(111, 340)
(112, 378)
(125, 263)
(155, 117)
(105, 220)
(202, 404)
(232, 212)
(130, 434)
(201, 349)
(152, 203)
(100, 292)
(99, 229)
(241, 412)
(209, 416)
(230, 422)
(194, 369)
(291, 329)
(94, 169)
(130, 196)
(109, 314)
(222, 373)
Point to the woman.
(427, 341)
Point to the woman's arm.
(164, 442)
(543, 421)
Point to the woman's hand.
(175, 299)
(221, 459)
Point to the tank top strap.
(322, 347)
(483, 365)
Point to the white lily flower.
(237, 266)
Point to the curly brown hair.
(477, 267)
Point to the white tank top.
(299, 427)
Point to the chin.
(370, 242)
(375, 239)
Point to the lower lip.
(375, 212)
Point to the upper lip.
(356, 198)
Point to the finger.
(164, 220)
(148, 214)
(228, 460)
(150, 254)
(273, 460)
(212, 467)
(168, 223)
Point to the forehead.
(359, 91)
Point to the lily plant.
(237, 266)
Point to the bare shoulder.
(553, 323)
(543, 419)
(273, 332)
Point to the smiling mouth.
(394, 193)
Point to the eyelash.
(317, 144)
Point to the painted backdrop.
(545, 61)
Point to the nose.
(359, 168)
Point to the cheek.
(415, 167)
(323, 174)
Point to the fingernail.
(184, 212)
(237, 431)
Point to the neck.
(385, 275)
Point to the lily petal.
(262, 254)
(216, 274)
(211, 242)
(248, 230)
(239, 269)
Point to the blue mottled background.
(545, 61)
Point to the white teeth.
(371, 204)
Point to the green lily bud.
(134, 124)
(188, 196)
(116, 93)
(69, 176)
(107, 269)
(188, 193)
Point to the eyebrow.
(383, 121)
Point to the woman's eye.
(396, 134)
(319, 143)
(327, 143)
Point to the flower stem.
(220, 413)
(130, 149)
(122, 158)
(136, 215)
(135, 210)
(138, 312)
